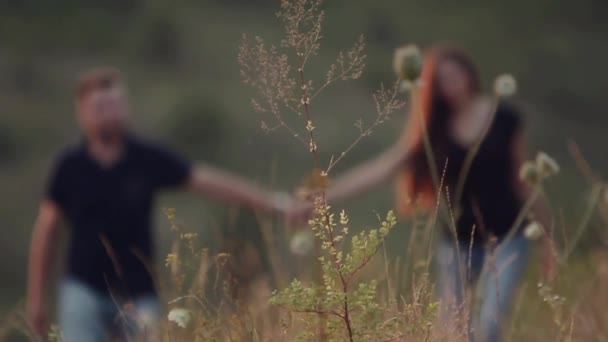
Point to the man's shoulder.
(69, 154)
(508, 110)
(67, 162)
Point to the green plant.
(282, 86)
(354, 307)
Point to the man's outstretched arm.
(226, 187)
(42, 255)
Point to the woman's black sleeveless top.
(489, 198)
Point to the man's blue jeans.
(85, 315)
(494, 277)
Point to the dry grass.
(229, 298)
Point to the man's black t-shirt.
(109, 213)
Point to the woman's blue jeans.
(494, 277)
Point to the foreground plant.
(351, 308)
(283, 89)
(278, 74)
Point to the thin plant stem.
(470, 258)
(428, 148)
(430, 235)
(472, 153)
(584, 222)
(521, 217)
(453, 230)
(382, 115)
(388, 281)
(305, 101)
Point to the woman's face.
(453, 81)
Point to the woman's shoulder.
(509, 119)
(506, 118)
(502, 112)
(502, 108)
(507, 111)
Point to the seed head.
(546, 165)
(180, 316)
(529, 173)
(533, 231)
(505, 85)
(407, 63)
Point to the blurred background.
(179, 58)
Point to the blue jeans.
(85, 315)
(494, 278)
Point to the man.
(104, 188)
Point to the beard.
(111, 135)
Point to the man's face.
(104, 112)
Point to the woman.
(474, 148)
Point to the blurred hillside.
(180, 60)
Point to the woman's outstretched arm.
(368, 175)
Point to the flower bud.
(546, 166)
(529, 173)
(407, 63)
(505, 85)
(533, 231)
(180, 316)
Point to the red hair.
(428, 110)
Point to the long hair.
(430, 110)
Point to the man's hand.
(228, 188)
(36, 315)
(297, 212)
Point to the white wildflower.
(55, 334)
(505, 85)
(529, 172)
(302, 243)
(180, 316)
(546, 165)
(407, 63)
(533, 231)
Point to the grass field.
(186, 89)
